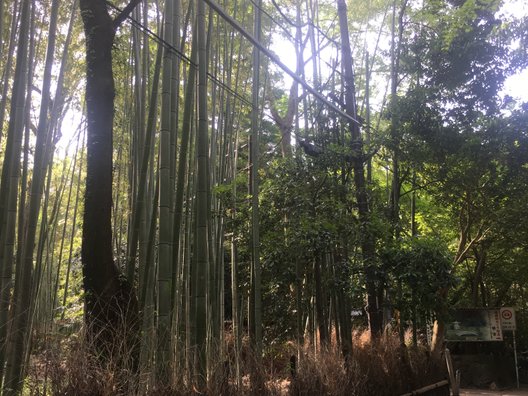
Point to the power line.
(158, 39)
(286, 31)
(274, 58)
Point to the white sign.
(507, 316)
(474, 324)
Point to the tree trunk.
(201, 251)
(481, 258)
(465, 244)
(368, 246)
(8, 204)
(110, 302)
(256, 299)
(164, 274)
(320, 303)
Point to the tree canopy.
(172, 183)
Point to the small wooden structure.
(453, 382)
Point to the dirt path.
(482, 392)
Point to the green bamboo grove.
(188, 187)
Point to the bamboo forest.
(263, 197)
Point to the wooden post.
(427, 388)
(515, 359)
(454, 378)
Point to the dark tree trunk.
(368, 246)
(320, 302)
(481, 256)
(110, 302)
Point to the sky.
(517, 85)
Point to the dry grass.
(374, 368)
(69, 366)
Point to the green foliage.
(302, 219)
(461, 150)
(461, 59)
(422, 267)
(464, 144)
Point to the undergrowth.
(381, 368)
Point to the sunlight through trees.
(213, 196)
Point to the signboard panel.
(507, 316)
(474, 325)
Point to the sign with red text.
(507, 316)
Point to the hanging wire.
(154, 36)
(168, 46)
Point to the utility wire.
(286, 31)
(253, 41)
(274, 58)
(286, 18)
(156, 38)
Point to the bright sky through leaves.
(515, 86)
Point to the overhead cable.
(275, 59)
(180, 54)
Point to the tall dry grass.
(374, 368)
(380, 368)
(69, 367)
